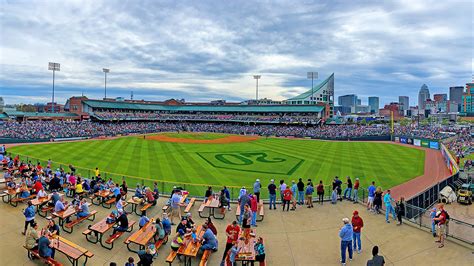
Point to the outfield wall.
(419, 142)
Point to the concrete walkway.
(303, 237)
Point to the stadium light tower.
(312, 76)
(105, 70)
(256, 77)
(54, 67)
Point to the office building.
(468, 99)
(440, 97)
(374, 105)
(423, 95)
(347, 100)
(404, 104)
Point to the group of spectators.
(297, 118)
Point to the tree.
(445, 122)
(405, 122)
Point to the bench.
(161, 242)
(14, 202)
(45, 210)
(145, 207)
(78, 221)
(205, 257)
(108, 204)
(117, 235)
(190, 205)
(171, 257)
(48, 261)
(202, 207)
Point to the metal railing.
(165, 187)
(455, 228)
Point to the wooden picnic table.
(142, 236)
(72, 251)
(190, 248)
(247, 247)
(211, 203)
(134, 203)
(99, 229)
(101, 195)
(63, 215)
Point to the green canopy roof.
(206, 108)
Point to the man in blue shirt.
(346, 240)
(387, 199)
(209, 239)
(227, 196)
(43, 247)
(175, 205)
(371, 191)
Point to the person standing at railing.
(433, 224)
(400, 210)
(272, 193)
(371, 196)
(300, 185)
(441, 220)
(320, 192)
(387, 199)
(257, 186)
(355, 195)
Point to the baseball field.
(219, 159)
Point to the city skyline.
(208, 51)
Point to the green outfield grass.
(204, 136)
(237, 163)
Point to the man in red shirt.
(232, 231)
(254, 209)
(357, 224)
(355, 196)
(440, 220)
(37, 186)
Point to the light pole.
(54, 67)
(256, 77)
(312, 76)
(105, 70)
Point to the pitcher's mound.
(225, 139)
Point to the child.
(143, 220)
(193, 235)
(233, 253)
(433, 225)
(112, 217)
(334, 196)
(130, 262)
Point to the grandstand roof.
(36, 114)
(308, 93)
(206, 108)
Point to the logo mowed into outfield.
(269, 162)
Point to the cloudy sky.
(205, 50)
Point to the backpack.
(447, 216)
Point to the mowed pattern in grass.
(204, 136)
(238, 163)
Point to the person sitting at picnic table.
(177, 242)
(52, 227)
(143, 220)
(31, 241)
(61, 205)
(119, 203)
(86, 185)
(29, 213)
(41, 194)
(156, 191)
(149, 197)
(160, 231)
(209, 241)
(24, 191)
(122, 222)
(211, 225)
(183, 225)
(82, 209)
(44, 249)
(189, 218)
(138, 192)
(54, 198)
(146, 256)
(79, 190)
(223, 202)
(115, 189)
(208, 194)
(54, 183)
(37, 186)
(110, 183)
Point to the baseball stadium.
(220, 154)
(236, 133)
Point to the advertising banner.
(410, 141)
(417, 142)
(397, 139)
(403, 140)
(425, 143)
(434, 145)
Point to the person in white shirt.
(282, 188)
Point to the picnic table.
(99, 229)
(39, 202)
(247, 247)
(211, 203)
(72, 251)
(190, 248)
(142, 236)
(63, 215)
(101, 195)
(12, 195)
